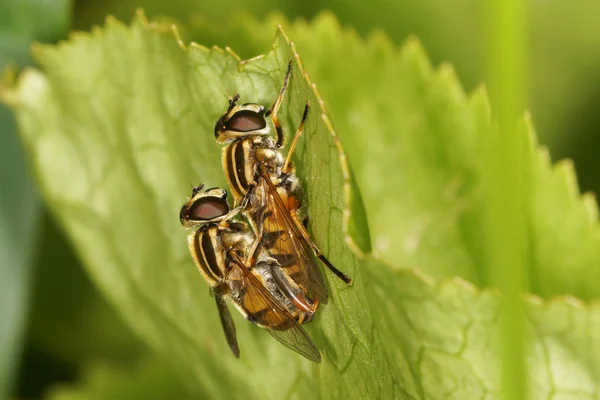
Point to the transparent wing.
(262, 308)
(227, 323)
(289, 245)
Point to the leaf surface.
(20, 23)
(120, 124)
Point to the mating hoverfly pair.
(263, 263)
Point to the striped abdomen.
(206, 247)
(277, 242)
(255, 306)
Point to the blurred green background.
(55, 328)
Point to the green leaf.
(563, 42)
(446, 339)
(20, 23)
(23, 21)
(119, 125)
(19, 213)
(129, 166)
(70, 321)
(424, 199)
(150, 380)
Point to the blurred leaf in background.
(564, 77)
(21, 21)
(70, 324)
(149, 380)
(71, 327)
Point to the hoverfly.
(259, 291)
(267, 186)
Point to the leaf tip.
(327, 17)
(479, 98)
(140, 16)
(26, 87)
(544, 157)
(448, 75)
(281, 31)
(111, 21)
(566, 170)
(412, 49)
(590, 205)
(232, 53)
(526, 124)
(198, 46)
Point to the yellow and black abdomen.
(206, 247)
(258, 307)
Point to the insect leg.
(235, 211)
(318, 252)
(252, 254)
(288, 158)
(274, 111)
(258, 212)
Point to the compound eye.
(207, 209)
(246, 121)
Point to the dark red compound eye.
(246, 121)
(207, 209)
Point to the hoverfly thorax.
(241, 121)
(204, 207)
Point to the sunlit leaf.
(120, 124)
(424, 197)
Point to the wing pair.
(293, 337)
(290, 247)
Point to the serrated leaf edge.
(411, 45)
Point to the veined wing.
(264, 309)
(289, 246)
(227, 323)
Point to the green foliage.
(428, 190)
(150, 380)
(20, 22)
(562, 79)
(70, 320)
(119, 125)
